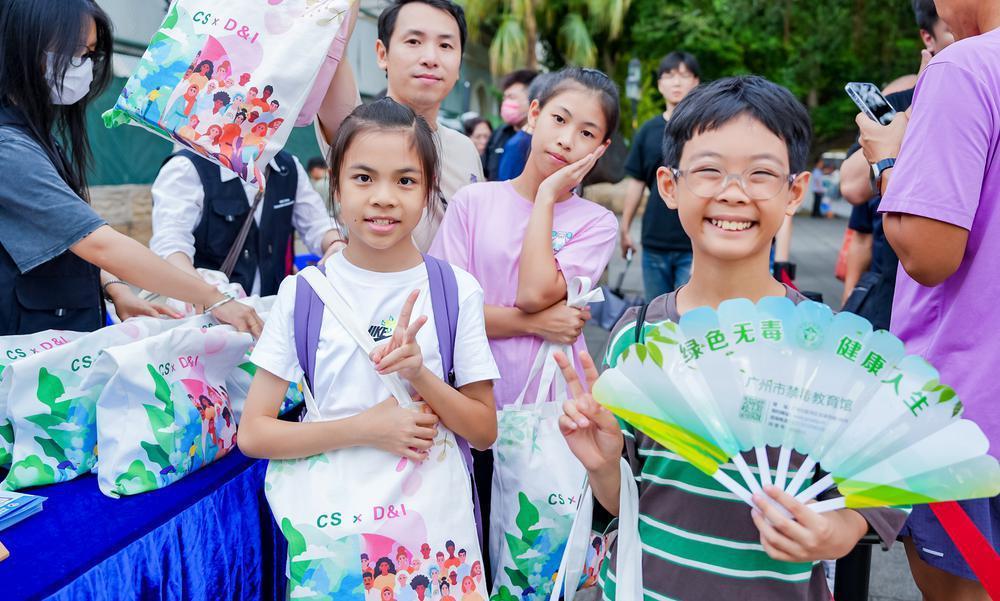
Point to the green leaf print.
(160, 420)
(136, 480)
(162, 391)
(503, 594)
(296, 546)
(527, 517)
(50, 388)
(641, 352)
(45, 420)
(517, 578)
(156, 454)
(51, 449)
(7, 432)
(656, 355)
(28, 472)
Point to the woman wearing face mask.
(514, 112)
(57, 256)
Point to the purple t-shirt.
(949, 171)
(483, 232)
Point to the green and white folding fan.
(798, 378)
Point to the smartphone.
(871, 101)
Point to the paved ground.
(815, 245)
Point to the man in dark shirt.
(666, 249)
(514, 112)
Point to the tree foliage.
(813, 47)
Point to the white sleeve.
(275, 349)
(178, 201)
(473, 357)
(309, 215)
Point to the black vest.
(268, 244)
(63, 293)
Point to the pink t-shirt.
(482, 233)
(949, 171)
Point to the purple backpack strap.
(444, 303)
(308, 318)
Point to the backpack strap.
(308, 318)
(640, 324)
(444, 302)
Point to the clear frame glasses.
(757, 183)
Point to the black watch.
(879, 169)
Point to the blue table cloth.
(208, 536)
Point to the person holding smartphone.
(940, 179)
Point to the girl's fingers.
(425, 433)
(403, 323)
(426, 419)
(589, 369)
(411, 332)
(421, 444)
(572, 380)
(566, 425)
(412, 455)
(572, 411)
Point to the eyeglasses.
(757, 183)
(94, 55)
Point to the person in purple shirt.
(942, 217)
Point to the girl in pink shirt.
(524, 238)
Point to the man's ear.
(797, 192)
(667, 186)
(382, 56)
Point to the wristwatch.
(879, 169)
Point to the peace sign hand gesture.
(402, 353)
(590, 430)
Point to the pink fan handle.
(971, 543)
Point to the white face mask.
(76, 81)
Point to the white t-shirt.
(460, 166)
(346, 383)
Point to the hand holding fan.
(797, 377)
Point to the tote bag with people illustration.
(164, 411)
(537, 480)
(52, 404)
(364, 524)
(229, 79)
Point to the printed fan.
(797, 377)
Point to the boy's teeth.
(733, 226)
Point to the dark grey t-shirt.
(40, 216)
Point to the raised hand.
(591, 431)
(569, 177)
(402, 353)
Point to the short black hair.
(221, 97)
(710, 106)
(471, 124)
(420, 580)
(926, 14)
(320, 163)
(388, 115)
(677, 58)
(591, 80)
(521, 76)
(387, 20)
